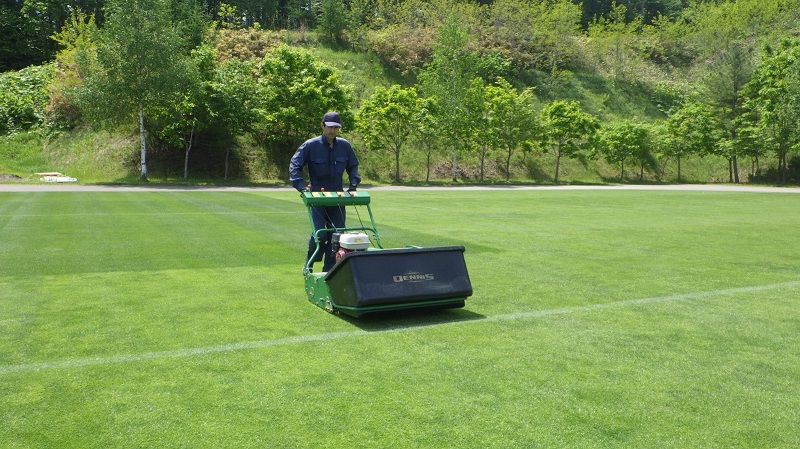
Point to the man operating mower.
(327, 157)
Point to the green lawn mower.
(369, 279)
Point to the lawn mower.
(368, 278)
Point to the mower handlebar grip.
(352, 198)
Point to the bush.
(23, 98)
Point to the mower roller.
(369, 279)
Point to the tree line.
(485, 79)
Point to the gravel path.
(71, 187)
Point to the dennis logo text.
(413, 277)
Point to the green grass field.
(636, 319)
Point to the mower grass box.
(414, 277)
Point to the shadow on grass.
(411, 319)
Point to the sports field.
(600, 319)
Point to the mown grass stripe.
(189, 352)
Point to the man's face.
(330, 132)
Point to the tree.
(191, 113)
(478, 118)
(691, 129)
(141, 66)
(387, 119)
(233, 98)
(427, 133)
(511, 118)
(624, 141)
(294, 92)
(776, 97)
(332, 20)
(26, 27)
(724, 86)
(447, 77)
(565, 130)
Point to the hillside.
(655, 89)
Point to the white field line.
(189, 352)
(148, 214)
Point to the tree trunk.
(188, 150)
(397, 166)
(227, 157)
(483, 163)
(455, 165)
(508, 166)
(428, 172)
(143, 141)
(558, 165)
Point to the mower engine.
(344, 243)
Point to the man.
(327, 158)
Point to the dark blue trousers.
(325, 218)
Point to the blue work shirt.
(326, 165)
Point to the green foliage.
(776, 85)
(447, 78)
(76, 59)
(614, 43)
(631, 60)
(142, 70)
(333, 20)
(387, 119)
(23, 98)
(402, 47)
(535, 34)
(565, 130)
(294, 92)
(692, 129)
(511, 119)
(246, 44)
(625, 141)
(233, 96)
(14, 35)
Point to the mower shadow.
(409, 319)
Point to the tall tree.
(233, 97)
(295, 91)
(332, 21)
(511, 119)
(447, 77)
(776, 96)
(557, 24)
(724, 87)
(427, 133)
(141, 66)
(691, 129)
(386, 120)
(622, 142)
(565, 130)
(180, 123)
